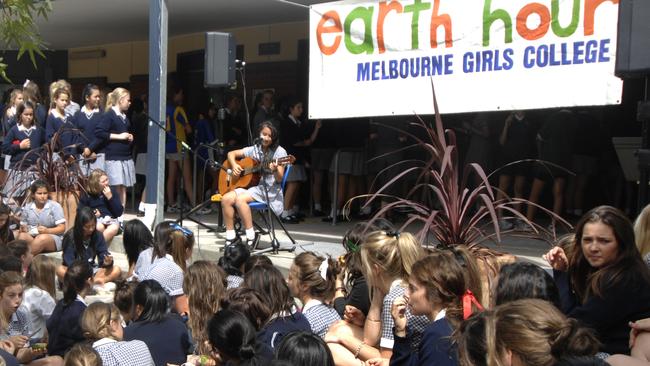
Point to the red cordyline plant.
(457, 213)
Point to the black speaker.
(633, 43)
(219, 59)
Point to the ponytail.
(75, 280)
(318, 274)
(235, 337)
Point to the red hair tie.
(468, 300)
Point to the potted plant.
(61, 173)
(450, 211)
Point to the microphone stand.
(185, 148)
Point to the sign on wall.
(376, 58)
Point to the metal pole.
(158, 24)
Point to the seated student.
(269, 283)
(82, 354)
(44, 222)
(604, 283)
(136, 239)
(204, 283)
(525, 280)
(387, 258)
(6, 218)
(163, 332)
(38, 299)
(233, 260)
(102, 325)
(105, 204)
(85, 242)
(534, 332)
(233, 340)
(438, 290)
(311, 279)
(21, 250)
(172, 249)
(63, 325)
(266, 152)
(304, 348)
(15, 322)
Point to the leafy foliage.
(18, 28)
(456, 212)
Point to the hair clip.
(352, 247)
(26, 82)
(323, 269)
(187, 232)
(468, 299)
(393, 233)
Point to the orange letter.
(437, 21)
(384, 9)
(590, 10)
(545, 21)
(335, 28)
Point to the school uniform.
(114, 353)
(94, 248)
(86, 121)
(67, 137)
(415, 324)
(234, 281)
(50, 216)
(38, 305)
(168, 340)
(119, 162)
(276, 198)
(18, 325)
(280, 325)
(108, 208)
(64, 328)
(20, 160)
(436, 347)
(320, 316)
(167, 273)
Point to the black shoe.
(339, 218)
(318, 213)
(327, 219)
(252, 243)
(291, 219)
(140, 213)
(230, 242)
(299, 215)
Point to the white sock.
(230, 234)
(286, 213)
(318, 207)
(250, 233)
(141, 206)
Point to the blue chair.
(263, 211)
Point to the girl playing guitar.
(267, 151)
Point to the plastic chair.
(263, 210)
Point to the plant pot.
(69, 202)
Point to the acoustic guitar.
(249, 177)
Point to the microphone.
(228, 174)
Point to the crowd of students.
(387, 301)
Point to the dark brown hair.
(248, 302)
(272, 287)
(587, 280)
(319, 287)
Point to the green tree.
(18, 29)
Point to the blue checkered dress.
(320, 316)
(414, 324)
(131, 353)
(168, 274)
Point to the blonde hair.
(58, 86)
(94, 187)
(14, 96)
(537, 332)
(181, 245)
(114, 97)
(7, 279)
(205, 284)
(96, 320)
(394, 255)
(82, 354)
(642, 231)
(41, 273)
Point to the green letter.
(555, 16)
(365, 14)
(416, 8)
(491, 17)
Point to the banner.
(378, 58)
